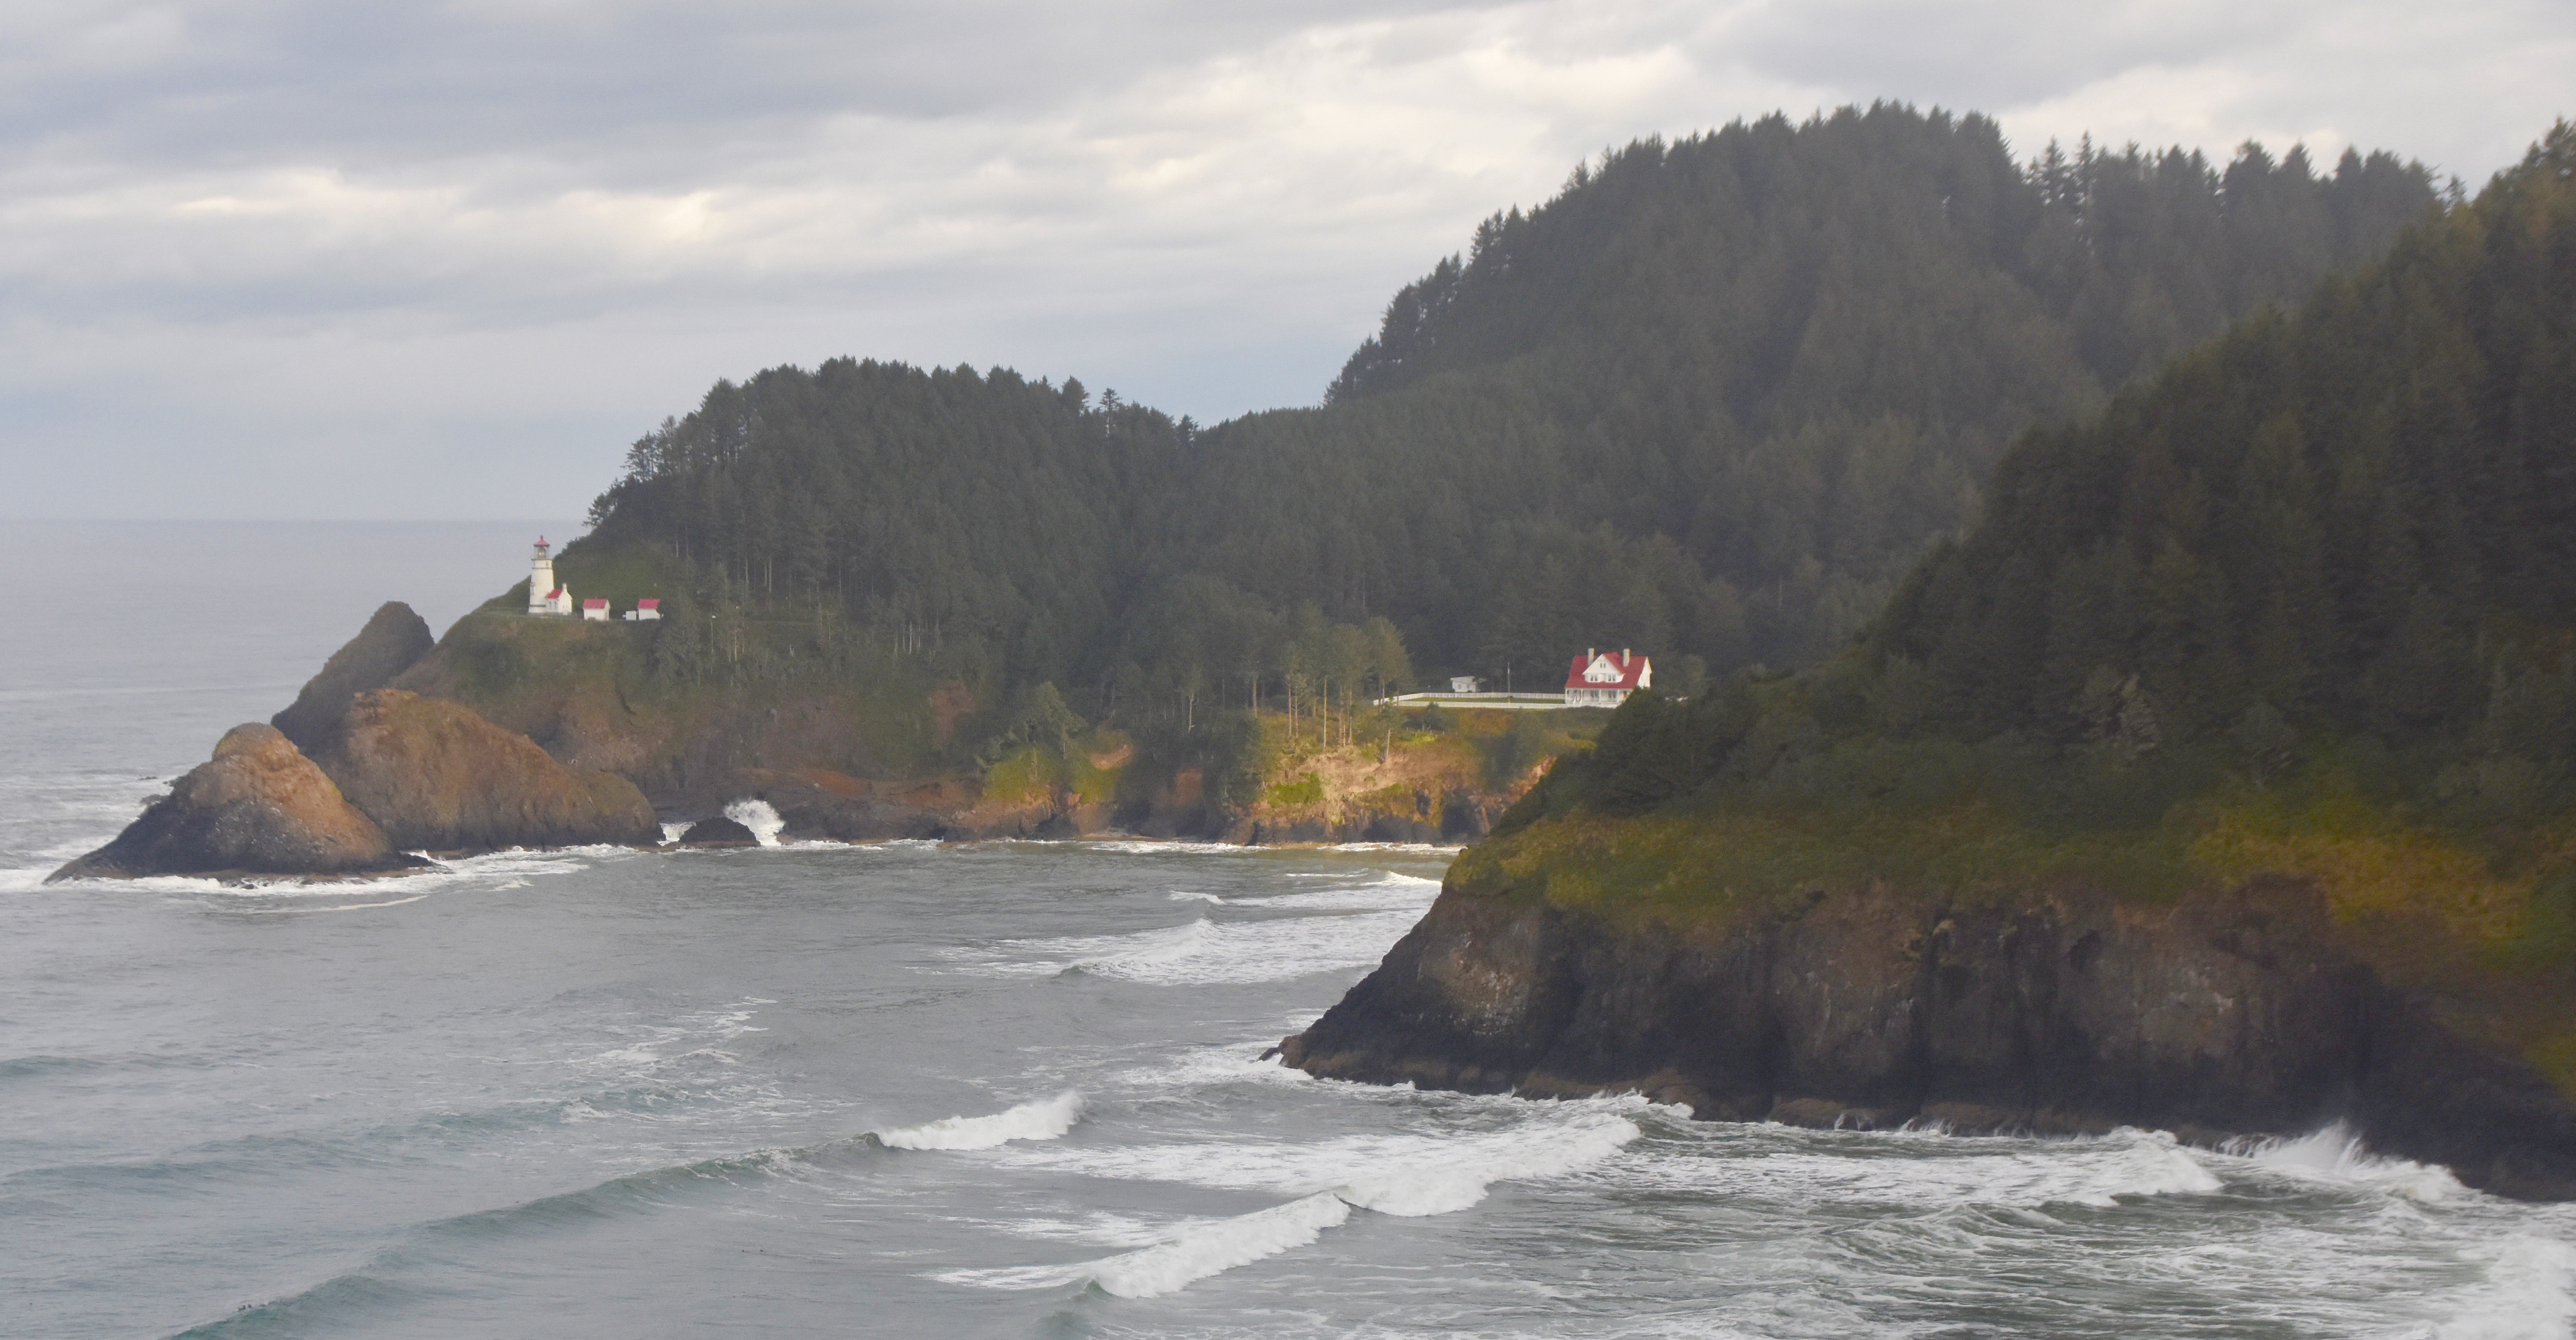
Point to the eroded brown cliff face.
(258, 807)
(2052, 1011)
(438, 777)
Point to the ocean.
(903, 1089)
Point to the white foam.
(2529, 1294)
(671, 832)
(27, 879)
(759, 817)
(1098, 1228)
(1188, 1254)
(1042, 1120)
(341, 907)
(693, 1034)
(1384, 891)
(1224, 1063)
(1184, 896)
(1156, 846)
(1408, 1175)
(1926, 1170)
(2335, 1155)
(1204, 951)
(1222, 1245)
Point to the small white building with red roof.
(1599, 679)
(595, 609)
(650, 607)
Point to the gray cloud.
(271, 258)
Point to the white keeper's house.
(1599, 679)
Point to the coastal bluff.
(2057, 1011)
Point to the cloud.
(265, 257)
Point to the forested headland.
(2296, 616)
(2216, 779)
(1710, 401)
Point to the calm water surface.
(1001, 1090)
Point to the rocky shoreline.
(2058, 1011)
(374, 765)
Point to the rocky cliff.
(438, 777)
(258, 807)
(2048, 1010)
(394, 639)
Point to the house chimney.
(1623, 656)
(1590, 652)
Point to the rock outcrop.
(258, 807)
(719, 832)
(394, 640)
(437, 777)
(2059, 1011)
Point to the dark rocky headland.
(2045, 1010)
(2218, 779)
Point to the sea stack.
(720, 831)
(258, 807)
(394, 640)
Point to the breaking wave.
(1205, 951)
(2528, 1293)
(1924, 1170)
(2335, 1155)
(759, 817)
(1042, 1120)
(1188, 1254)
(1406, 1175)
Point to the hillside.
(1709, 401)
(2218, 777)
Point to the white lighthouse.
(545, 596)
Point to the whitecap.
(2529, 1293)
(1408, 1175)
(1148, 846)
(1188, 1254)
(1387, 891)
(1925, 1170)
(1045, 1119)
(1204, 951)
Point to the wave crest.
(1045, 1119)
(1190, 1254)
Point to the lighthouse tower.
(545, 595)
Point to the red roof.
(649, 603)
(553, 593)
(1631, 671)
(594, 603)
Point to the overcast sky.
(316, 258)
